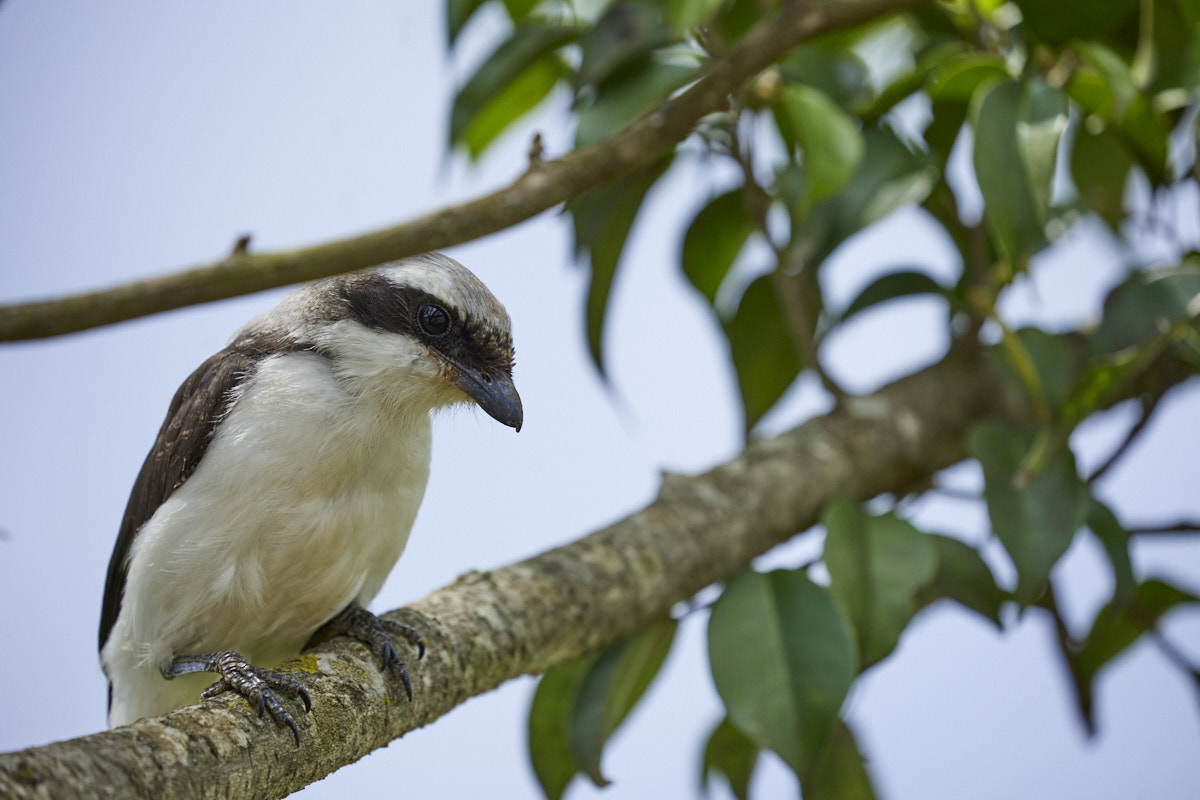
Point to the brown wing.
(203, 399)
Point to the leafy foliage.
(730, 753)
(1017, 125)
(1060, 104)
(579, 705)
(783, 659)
(877, 565)
(1034, 516)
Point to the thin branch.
(1177, 657)
(1181, 527)
(1149, 404)
(542, 187)
(490, 627)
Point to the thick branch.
(543, 186)
(490, 627)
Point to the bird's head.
(420, 333)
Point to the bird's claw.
(256, 685)
(358, 623)
(405, 632)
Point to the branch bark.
(490, 627)
(543, 186)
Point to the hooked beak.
(495, 394)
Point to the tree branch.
(1149, 404)
(490, 627)
(540, 188)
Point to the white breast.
(302, 503)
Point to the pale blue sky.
(138, 138)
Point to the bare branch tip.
(537, 152)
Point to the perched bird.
(284, 481)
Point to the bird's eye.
(433, 319)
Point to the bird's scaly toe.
(358, 623)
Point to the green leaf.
(891, 176)
(838, 74)
(1035, 519)
(603, 218)
(1115, 539)
(549, 723)
(520, 96)
(738, 16)
(782, 659)
(903, 283)
(1049, 362)
(952, 87)
(1056, 21)
(963, 576)
(904, 85)
(1142, 130)
(683, 16)
(613, 683)
(1017, 128)
(511, 81)
(1144, 315)
(1147, 132)
(730, 753)
(1118, 78)
(457, 14)
(622, 100)
(577, 706)
(625, 34)
(877, 565)
(1103, 375)
(1115, 629)
(839, 773)
(1147, 303)
(519, 10)
(827, 137)
(713, 241)
(1100, 166)
(944, 129)
(1107, 86)
(958, 78)
(760, 346)
(1176, 45)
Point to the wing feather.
(198, 405)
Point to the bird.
(282, 485)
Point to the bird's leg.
(358, 623)
(251, 682)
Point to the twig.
(1181, 527)
(1149, 404)
(1175, 655)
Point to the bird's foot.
(251, 682)
(358, 623)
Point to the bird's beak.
(495, 394)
